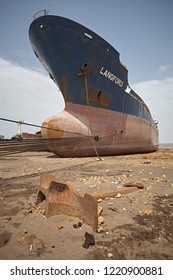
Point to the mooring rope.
(40, 126)
(19, 145)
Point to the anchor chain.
(94, 138)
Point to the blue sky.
(141, 30)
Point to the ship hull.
(87, 131)
(103, 115)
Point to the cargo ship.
(103, 115)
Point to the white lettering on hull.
(111, 77)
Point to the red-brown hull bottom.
(88, 131)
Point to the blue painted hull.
(93, 82)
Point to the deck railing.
(41, 13)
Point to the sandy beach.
(136, 225)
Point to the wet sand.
(138, 225)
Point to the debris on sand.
(61, 198)
(36, 245)
(89, 240)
